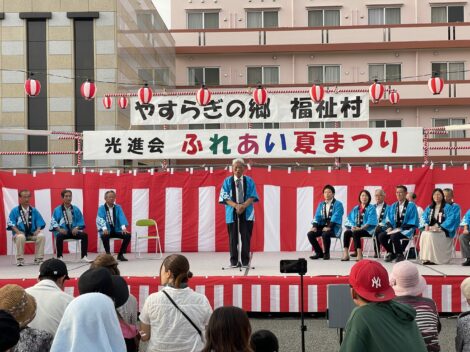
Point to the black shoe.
(400, 258)
(376, 255)
(345, 259)
(466, 262)
(121, 258)
(326, 256)
(389, 257)
(353, 254)
(316, 256)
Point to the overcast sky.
(163, 8)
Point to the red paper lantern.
(123, 102)
(32, 87)
(88, 90)
(376, 92)
(145, 94)
(107, 102)
(317, 93)
(435, 85)
(394, 97)
(203, 96)
(260, 96)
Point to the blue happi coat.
(119, 219)
(370, 218)
(58, 220)
(410, 222)
(466, 219)
(37, 222)
(336, 216)
(228, 192)
(450, 219)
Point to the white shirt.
(111, 215)
(170, 330)
(51, 302)
(235, 178)
(378, 209)
(400, 208)
(328, 205)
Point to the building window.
(385, 72)
(384, 123)
(449, 122)
(443, 14)
(384, 15)
(324, 125)
(320, 18)
(449, 70)
(209, 76)
(265, 125)
(262, 19)
(203, 20)
(262, 75)
(158, 76)
(324, 74)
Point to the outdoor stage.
(263, 289)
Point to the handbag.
(184, 314)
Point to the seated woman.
(361, 222)
(440, 225)
(175, 318)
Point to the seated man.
(111, 223)
(26, 223)
(327, 223)
(378, 323)
(67, 223)
(401, 223)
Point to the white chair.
(111, 244)
(147, 223)
(13, 255)
(78, 243)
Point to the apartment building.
(336, 43)
(116, 43)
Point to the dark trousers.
(356, 236)
(125, 241)
(246, 228)
(326, 238)
(392, 242)
(59, 242)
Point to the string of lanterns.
(88, 91)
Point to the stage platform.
(262, 289)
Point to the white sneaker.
(60, 258)
(20, 262)
(38, 261)
(86, 260)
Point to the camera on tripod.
(293, 266)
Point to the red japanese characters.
(107, 102)
(88, 90)
(260, 96)
(435, 85)
(32, 87)
(123, 102)
(203, 96)
(145, 94)
(317, 93)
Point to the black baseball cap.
(53, 267)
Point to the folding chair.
(412, 242)
(111, 244)
(77, 244)
(147, 223)
(13, 256)
(456, 240)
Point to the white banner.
(274, 143)
(240, 108)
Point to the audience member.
(129, 310)
(9, 331)
(229, 330)
(89, 324)
(22, 306)
(462, 340)
(51, 300)
(409, 285)
(378, 323)
(264, 341)
(175, 318)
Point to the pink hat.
(406, 280)
(370, 280)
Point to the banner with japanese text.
(266, 143)
(241, 108)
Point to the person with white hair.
(238, 193)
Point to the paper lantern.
(107, 102)
(32, 87)
(260, 96)
(145, 94)
(376, 92)
(88, 90)
(394, 97)
(317, 93)
(435, 85)
(123, 102)
(203, 96)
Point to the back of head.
(89, 323)
(179, 266)
(465, 288)
(9, 331)
(107, 261)
(264, 341)
(228, 330)
(17, 302)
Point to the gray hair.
(380, 190)
(449, 190)
(238, 161)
